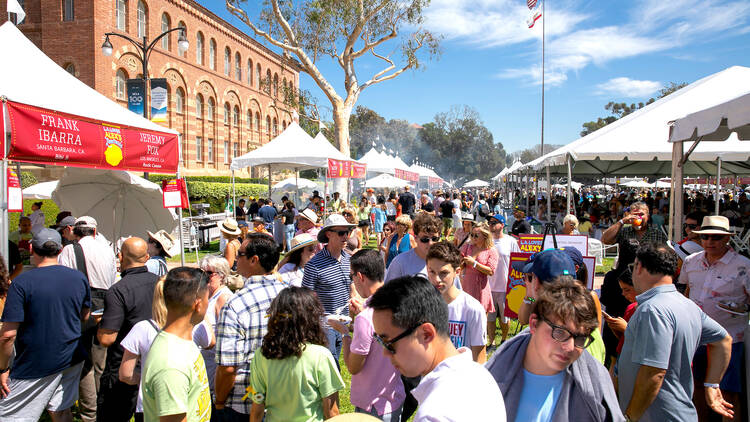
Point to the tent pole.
(676, 197)
(718, 185)
(549, 197)
(269, 182)
(18, 173)
(179, 210)
(325, 190)
(528, 192)
(296, 185)
(567, 209)
(234, 195)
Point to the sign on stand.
(15, 193)
(175, 194)
(516, 288)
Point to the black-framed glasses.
(427, 239)
(714, 237)
(388, 345)
(562, 334)
(241, 253)
(474, 235)
(691, 226)
(342, 232)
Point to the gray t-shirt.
(409, 263)
(664, 332)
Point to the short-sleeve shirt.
(174, 380)
(409, 263)
(653, 235)
(329, 278)
(504, 246)
(727, 280)
(239, 332)
(664, 333)
(539, 396)
(126, 303)
(293, 388)
(407, 201)
(47, 302)
(100, 261)
(467, 322)
(378, 384)
(138, 342)
(446, 209)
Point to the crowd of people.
(406, 291)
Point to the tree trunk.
(341, 115)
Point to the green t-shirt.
(363, 213)
(293, 389)
(596, 348)
(174, 380)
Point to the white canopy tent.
(385, 181)
(294, 183)
(34, 79)
(476, 183)
(637, 184)
(377, 162)
(40, 190)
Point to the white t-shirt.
(101, 263)
(409, 263)
(467, 322)
(504, 246)
(459, 389)
(291, 275)
(138, 341)
(390, 209)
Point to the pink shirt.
(312, 231)
(378, 383)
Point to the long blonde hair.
(158, 307)
(485, 229)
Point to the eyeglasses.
(691, 226)
(714, 237)
(562, 334)
(475, 235)
(341, 232)
(241, 253)
(346, 214)
(388, 345)
(427, 239)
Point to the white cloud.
(628, 88)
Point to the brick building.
(225, 91)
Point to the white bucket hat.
(333, 220)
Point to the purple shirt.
(378, 383)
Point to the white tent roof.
(400, 164)
(377, 162)
(33, 78)
(40, 190)
(502, 173)
(637, 184)
(709, 123)
(292, 183)
(385, 181)
(423, 171)
(638, 144)
(293, 148)
(476, 183)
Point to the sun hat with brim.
(467, 217)
(309, 215)
(686, 249)
(333, 220)
(301, 241)
(164, 239)
(230, 227)
(715, 224)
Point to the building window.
(268, 81)
(199, 48)
(226, 152)
(227, 61)
(249, 72)
(212, 54)
(199, 106)
(180, 100)
(184, 31)
(235, 149)
(257, 121)
(211, 109)
(120, 78)
(71, 68)
(260, 75)
(276, 85)
(238, 66)
(68, 10)
(120, 14)
(198, 148)
(210, 150)
(249, 120)
(236, 116)
(165, 23)
(226, 113)
(275, 127)
(268, 125)
(141, 20)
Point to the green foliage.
(157, 178)
(27, 179)
(49, 208)
(216, 194)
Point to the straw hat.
(715, 224)
(333, 220)
(302, 240)
(164, 239)
(230, 227)
(353, 417)
(309, 214)
(467, 216)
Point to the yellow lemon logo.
(515, 298)
(113, 155)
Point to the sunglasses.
(346, 214)
(714, 237)
(427, 239)
(241, 253)
(691, 226)
(388, 345)
(474, 235)
(562, 334)
(341, 232)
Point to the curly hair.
(427, 223)
(295, 319)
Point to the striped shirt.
(243, 321)
(330, 280)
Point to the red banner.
(15, 193)
(516, 287)
(50, 137)
(434, 181)
(346, 169)
(175, 194)
(407, 175)
(359, 170)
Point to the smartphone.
(606, 315)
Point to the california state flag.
(533, 17)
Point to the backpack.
(481, 210)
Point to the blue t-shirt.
(539, 396)
(47, 301)
(268, 213)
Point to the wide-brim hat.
(310, 215)
(165, 240)
(686, 249)
(230, 227)
(467, 217)
(715, 224)
(301, 241)
(333, 220)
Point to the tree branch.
(371, 45)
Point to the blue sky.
(597, 51)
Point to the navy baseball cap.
(46, 235)
(499, 217)
(547, 265)
(575, 255)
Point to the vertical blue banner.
(159, 100)
(136, 89)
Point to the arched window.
(275, 127)
(268, 81)
(257, 121)
(211, 108)
(180, 100)
(249, 72)
(227, 61)
(249, 119)
(70, 68)
(199, 48)
(199, 106)
(236, 116)
(268, 125)
(226, 113)
(184, 31)
(276, 85)
(165, 23)
(120, 79)
(212, 54)
(120, 14)
(260, 75)
(238, 66)
(141, 20)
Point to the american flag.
(531, 4)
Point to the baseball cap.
(547, 265)
(86, 221)
(67, 221)
(499, 217)
(46, 235)
(574, 255)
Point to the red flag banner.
(175, 194)
(743, 180)
(531, 3)
(50, 137)
(359, 170)
(338, 169)
(406, 175)
(15, 193)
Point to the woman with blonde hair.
(399, 241)
(570, 225)
(138, 342)
(480, 261)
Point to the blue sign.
(136, 95)
(159, 100)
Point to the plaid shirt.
(242, 323)
(653, 235)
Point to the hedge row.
(215, 194)
(157, 178)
